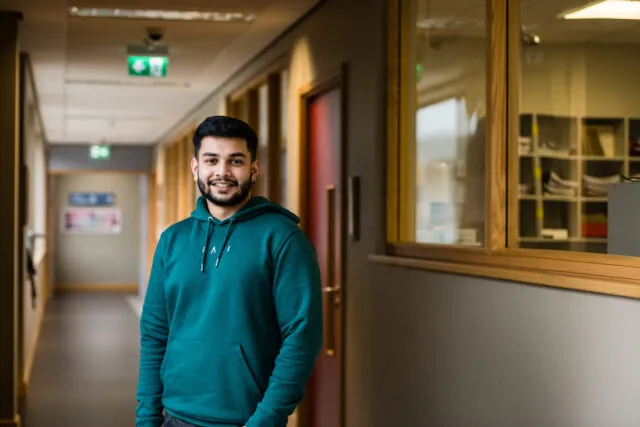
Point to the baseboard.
(11, 423)
(28, 363)
(99, 287)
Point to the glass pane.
(446, 157)
(579, 128)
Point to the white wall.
(583, 79)
(125, 158)
(594, 79)
(100, 260)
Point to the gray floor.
(86, 365)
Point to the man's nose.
(221, 169)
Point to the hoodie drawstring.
(206, 244)
(224, 242)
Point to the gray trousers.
(170, 421)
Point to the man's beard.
(207, 190)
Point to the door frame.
(335, 80)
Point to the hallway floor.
(86, 364)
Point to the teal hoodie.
(232, 320)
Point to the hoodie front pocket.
(210, 380)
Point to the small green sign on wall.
(99, 152)
(148, 66)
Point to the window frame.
(499, 257)
(242, 102)
(178, 191)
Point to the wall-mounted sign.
(91, 199)
(91, 221)
(100, 152)
(148, 66)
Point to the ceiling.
(80, 64)
(540, 16)
(467, 18)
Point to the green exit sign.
(148, 66)
(99, 152)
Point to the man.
(232, 320)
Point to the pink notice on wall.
(91, 221)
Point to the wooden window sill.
(524, 267)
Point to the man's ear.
(255, 169)
(194, 168)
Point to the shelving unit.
(566, 163)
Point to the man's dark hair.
(226, 127)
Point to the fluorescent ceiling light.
(606, 9)
(171, 15)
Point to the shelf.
(551, 198)
(557, 156)
(571, 153)
(569, 240)
(584, 199)
(603, 159)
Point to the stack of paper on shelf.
(597, 186)
(548, 147)
(556, 186)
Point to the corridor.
(86, 364)
(467, 174)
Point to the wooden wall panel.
(275, 135)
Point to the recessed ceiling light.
(171, 15)
(606, 9)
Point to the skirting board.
(11, 423)
(99, 287)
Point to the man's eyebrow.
(230, 155)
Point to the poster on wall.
(91, 199)
(91, 221)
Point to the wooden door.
(324, 217)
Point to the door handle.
(331, 292)
(331, 233)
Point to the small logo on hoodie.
(215, 251)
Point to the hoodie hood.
(257, 206)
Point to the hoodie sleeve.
(154, 331)
(298, 302)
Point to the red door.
(325, 227)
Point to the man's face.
(224, 170)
